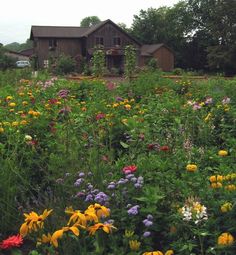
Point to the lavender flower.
(89, 198)
(81, 174)
(78, 182)
(147, 223)
(133, 210)
(101, 198)
(146, 234)
(149, 217)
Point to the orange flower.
(225, 239)
(105, 227)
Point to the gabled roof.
(149, 49)
(72, 32)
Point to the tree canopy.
(89, 21)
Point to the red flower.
(100, 116)
(11, 241)
(164, 148)
(129, 169)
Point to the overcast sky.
(17, 16)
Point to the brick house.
(80, 42)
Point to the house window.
(52, 43)
(116, 41)
(99, 41)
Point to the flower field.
(94, 167)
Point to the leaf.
(124, 145)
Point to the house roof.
(57, 32)
(149, 49)
(71, 32)
(27, 52)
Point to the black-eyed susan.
(226, 207)
(222, 153)
(105, 227)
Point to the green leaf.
(124, 145)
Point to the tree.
(15, 46)
(89, 21)
(98, 62)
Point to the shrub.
(65, 64)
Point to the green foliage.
(89, 21)
(19, 46)
(98, 62)
(130, 61)
(152, 64)
(65, 64)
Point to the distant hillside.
(15, 46)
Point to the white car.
(22, 63)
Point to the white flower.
(28, 138)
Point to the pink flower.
(11, 241)
(100, 116)
(129, 169)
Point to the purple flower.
(101, 198)
(150, 217)
(133, 210)
(90, 186)
(78, 182)
(89, 198)
(147, 223)
(81, 174)
(129, 176)
(119, 99)
(80, 194)
(63, 93)
(122, 181)
(137, 185)
(111, 186)
(134, 179)
(140, 180)
(146, 234)
(196, 106)
(208, 100)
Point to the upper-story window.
(116, 41)
(99, 41)
(52, 43)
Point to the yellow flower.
(208, 117)
(44, 239)
(21, 94)
(1, 130)
(169, 252)
(124, 121)
(216, 178)
(9, 98)
(115, 105)
(129, 233)
(216, 185)
(56, 235)
(99, 210)
(153, 253)
(24, 103)
(222, 153)
(23, 122)
(226, 207)
(15, 123)
(33, 222)
(230, 187)
(105, 227)
(78, 217)
(134, 245)
(84, 109)
(12, 104)
(191, 168)
(225, 239)
(11, 110)
(127, 106)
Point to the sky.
(17, 17)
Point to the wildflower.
(222, 153)
(28, 138)
(193, 210)
(191, 167)
(169, 252)
(99, 210)
(164, 148)
(216, 185)
(15, 123)
(134, 245)
(127, 106)
(24, 103)
(216, 178)
(100, 116)
(105, 227)
(153, 253)
(209, 100)
(23, 122)
(196, 106)
(77, 217)
(146, 234)
(129, 169)
(9, 98)
(33, 221)
(44, 239)
(225, 100)
(230, 187)
(129, 233)
(12, 104)
(63, 93)
(225, 239)
(207, 118)
(101, 198)
(11, 242)
(226, 207)
(133, 210)
(147, 223)
(1, 130)
(78, 182)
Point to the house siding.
(71, 47)
(165, 59)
